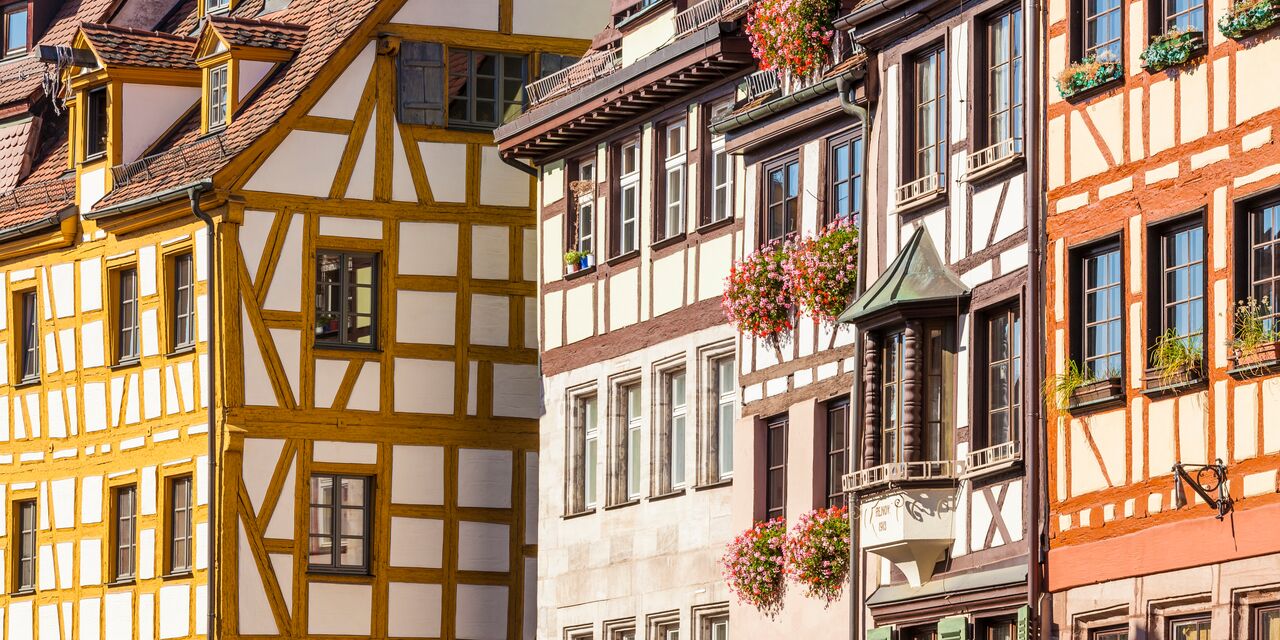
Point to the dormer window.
(216, 6)
(95, 123)
(15, 29)
(217, 97)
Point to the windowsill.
(125, 364)
(1155, 384)
(727, 482)
(620, 505)
(27, 382)
(668, 241)
(360, 576)
(122, 582)
(181, 575)
(572, 516)
(212, 132)
(22, 593)
(625, 257)
(574, 275)
(1081, 96)
(674, 493)
(715, 224)
(101, 155)
(995, 169)
(937, 196)
(183, 350)
(342, 348)
(992, 469)
(1096, 396)
(1198, 50)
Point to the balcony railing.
(994, 154)
(183, 156)
(992, 457)
(899, 471)
(760, 83)
(55, 191)
(707, 12)
(590, 68)
(917, 190)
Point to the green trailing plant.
(1089, 73)
(1251, 326)
(1170, 49)
(1249, 16)
(1064, 385)
(1176, 357)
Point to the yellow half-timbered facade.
(269, 308)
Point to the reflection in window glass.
(485, 89)
(1103, 334)
(346, 299)
(338, 523)
(1182, 258)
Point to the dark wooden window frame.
(1162, 17)
(126, 327)
(96, 123)
(1158, 266)
(25, 547)
(616, 179)
(343, 292)
(775, 474)
(839, 415)
(27, 365)
(124, 524)
(179, 525)
(1256, 615)
(182, 300)
(10, 10)
(783, 163)
(573, 228)
(1011, 310)
(1078, 256)
(1248, 283)
(1080, 18)
(985, 629)
(335, 534)
(472, 121)
(856, 181)
(912, 167)
(984, 111)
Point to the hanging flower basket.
(1249, 16)
(791, 35)
(753, 566)
(1087, 74)
(817, 553)
(823, 271)
(1171, 49)
(756, 299)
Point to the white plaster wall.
(343, 96)
(148, 111)
(475, 14)
(303, 164)
(339, 609)
(563, 18)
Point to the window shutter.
(880, 633)
(1024, 623)
(953, 628)
(420, 82)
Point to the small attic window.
(95, 123)
(217, 98)
(15, 29)
(216, 6)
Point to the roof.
(20, 79)
(125, 47)
(15, 142)
(260, 34)
(917, 275)
(329, 25)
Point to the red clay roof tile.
(122, 46)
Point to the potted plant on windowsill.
(579, 260)
(1249, 16)
(1074, 388)
(1093, 71)
(1256, 341)
(1171, 49)
(1175, 362)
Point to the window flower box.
(1258, 357)
(1171, 49)
(1087, 74)
(1255, 341)
(575, 261)
(1248, 17)
(1157, 380)
(1097, 392)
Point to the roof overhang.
(688, 64)
(917, 280)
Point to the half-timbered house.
(267, 348)
(1163, 181)
(640, 215)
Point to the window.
(346, 299)
(1266, 623)
(782, 198)
(1263, 256)
(180, 525)
(217, 109)
(549, 63)
(625, 227)
(1196, 628)
(724, 400)
(837, 450)
(1102, 307)
(671, 214)
(669, 631)
(1113, 633)
(716, 628)
(1102, 29)
(339, 533)
(844, 177)
(1181, 286)
(183, 307)
(1004, 78)
(891, 379)
(124, 502)
(24, 555)
(584, 222)
(585, 447)
(95, 123)
(672, 436)
(214, 6)
(126, 315)
(721, 173)
(1182, 15)
(15, 29)
(920, 633)
(928, 128)
(30, 359)
(934, 372)
(997, 630)
(775, 478)
(485, 88)
(1004, 376)
(627, 445)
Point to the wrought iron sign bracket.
(1206, 480)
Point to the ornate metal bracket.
(1207, 480)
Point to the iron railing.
(54, 191)
(991, 457)
(707, 12)
(761, 83)
(897, 472)
(994, 154)
(184, 156)
(590, 68)
(919, 189)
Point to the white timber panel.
(413, 610)
(281, 524)
(446, 167)
(254, 233)
(343, 96)
(481, 612)
(425, 317)
(517, 390)
(328, 378)
(489, 320)
(285, 293)
(260, 457)
(254, 611)
(423, 386)
(416, 542)
(502, 184)
(417, 475)
(484, 478)
(119, 614)
(490, 248)
(289, 346)
(303, 164)
(257, 382)
(366, 394)
(282, 565)
(428, 249)
(350, 227)
(476, 14)
(484, 546)
(175, 611)
(339, 609)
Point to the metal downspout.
(845, 90)
(1037, 557)
(193, 194)
(533, 171)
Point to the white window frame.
(725, 399)
(629, 198)
(586, 202)
(674, 170)
(721, 176)
(219, 102)
(633, 413)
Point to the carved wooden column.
(912, 394)
(871, 400)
